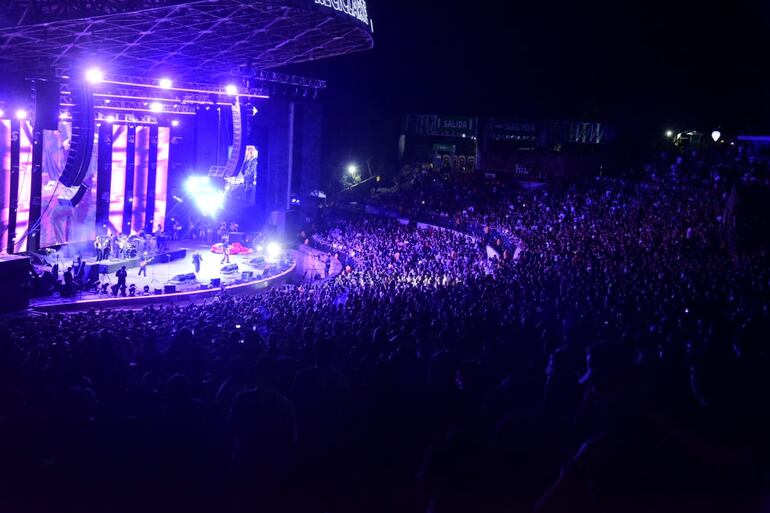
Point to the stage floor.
(159, 274)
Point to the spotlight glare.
(273, 251)
(94, 76)
(156, 107)
(174, 122)
(110, 119)
(208, 199)
(352, 169)
(21, 114)
(669, 133)
(231, 89)
(715, 135)
(165, 83)
(2, 113)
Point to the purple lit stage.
(108, 144)
(172, 280)
(302, 265)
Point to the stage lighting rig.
(94, 76)
(207, 198)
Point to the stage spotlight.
(146, 290)
(195, 183)
(174, 122)
(110, 119)
(165, 83)
(208, 199)
(352, 169)
(231, 89)
(156, 107)
(94, 76)
(669, 133)
(273, 251)
(21, 114)
(716, 134)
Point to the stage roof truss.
(202, 39)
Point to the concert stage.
(169, 280)
(134, 134)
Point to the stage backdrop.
(135, 189)
(138, 184)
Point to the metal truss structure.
(136, 99)
(202, 40)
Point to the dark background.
(643, 66)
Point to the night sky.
(643, 66)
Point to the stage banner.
(25, 187)
(118, 179)
(443, 126)
(141, 171)
(161, 176)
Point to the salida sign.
(448, 126)
(456, 126)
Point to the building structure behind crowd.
(518, 147)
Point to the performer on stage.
(99, 249)
(69, 288)
(160, 235)
(125, 247)
(105, 244)
(225, 251)
(77, 265)
(114, 247)
(122, 274)
(196, 260)
(143, 264)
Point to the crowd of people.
(591, 348)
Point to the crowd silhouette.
(596, 347)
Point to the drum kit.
(134, 245)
